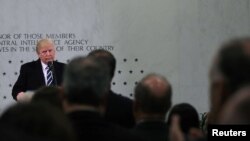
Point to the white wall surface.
(176, 38)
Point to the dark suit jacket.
(152, 131)
(31, 76)
(90, 126)
(119, 110)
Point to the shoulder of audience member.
(120, 97)
(60, 63)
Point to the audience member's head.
(51, 95)
(152, 97)
(86, 82)
(188, 116)
(38, 121)
(237, 109)
(230, 72)
(107, 57)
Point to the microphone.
(51, 67)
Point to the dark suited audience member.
(35, 122)
(119, 108)
(51, 95)
(229, 73)
(36, 74)
(86, 85)
(189, 120)
(152, 101)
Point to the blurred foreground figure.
(86, 85)
(229, 73)
(35, 122)
(119, 108)
(152, 101)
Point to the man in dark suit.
(152, 101)
(119, 108)
(86, 84)
(44, 71)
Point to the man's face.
(46, 52)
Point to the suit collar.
(40, 71)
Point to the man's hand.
(23, 97)
(20, 96)
(175, 131)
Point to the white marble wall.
(176, 38)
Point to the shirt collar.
(44, 65)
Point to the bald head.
(158, 85)
(153, 95)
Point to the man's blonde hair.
(43, 41)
